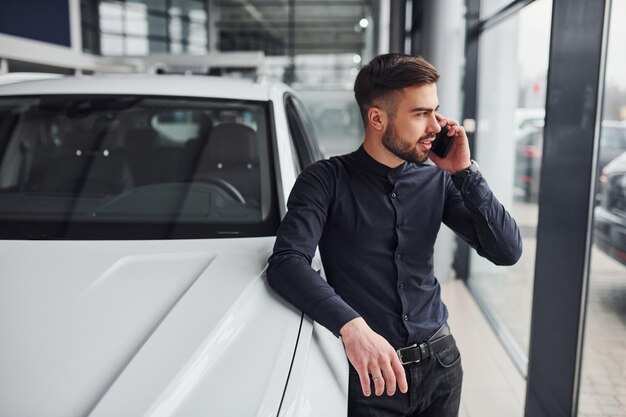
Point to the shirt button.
(406, 318)
(393, 195)
(401, 286)
(398, 256)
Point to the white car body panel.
(318, 384)
(166, 85)
(160, 327)
(119, 308)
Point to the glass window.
(197, 16)
(122, 24)
(489, 7)
(197, 34)
(176, 28)
(151, 4)
(136, 46)
(157, 26)
(111, 17)
(129, 167)
(602, 389)
(512, 67)
(176, 47)
(196, 49)
(187, 6)
(86, 16)
(89, 40)
(136, 21)
(111, 44)
(157, 46)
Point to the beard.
(401, 147)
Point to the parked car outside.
(610, 214)
(529, 149)
(137, 214)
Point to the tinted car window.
(302, 132)
(130, 167)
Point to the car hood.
(141, 328)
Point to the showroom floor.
(492, 386)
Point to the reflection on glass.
(512, 78)
(140, 27)
(187, 5)
(151, 4)
(134, 160)
(136, 46)
(111, 44)
(176, 28)
(196, 49)
(489, 7)
(111, 17)
(136, 22)
(197, 16)
(157, 26)
(176, 47)
(157, 46)
(603, 375)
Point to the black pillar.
(417, 18)
(397, 17)
(565, 203)
(461, 263)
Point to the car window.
(130, 167)
(302, 133)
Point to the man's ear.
(377, 118)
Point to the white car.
(137, 214)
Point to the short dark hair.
(387, 74)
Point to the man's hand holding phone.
(452, 144)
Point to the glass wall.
(490, 7)
(141, 27)
(512, 74)
(603, 376)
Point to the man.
(375, 214)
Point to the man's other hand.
(372, 356)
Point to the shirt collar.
(364, 160)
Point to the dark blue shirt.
(376, 228)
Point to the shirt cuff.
(473, 188)
(333, 313)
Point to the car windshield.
(134, 167)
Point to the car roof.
(16, 77)
(158, 85)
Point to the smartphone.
(442, 143)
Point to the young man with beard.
(375, 214)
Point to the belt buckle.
(399, 353)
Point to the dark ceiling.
(292, 26)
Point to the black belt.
(418, 352)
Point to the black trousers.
(434, 390)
